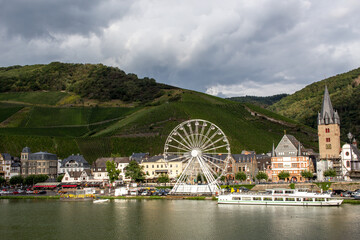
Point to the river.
(173, 219)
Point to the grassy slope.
(344, 90)
(139, 129)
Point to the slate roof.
(138, 157)
(42, 156)
(77, 174)
(327, 114)
(101, 162)
(15, 164)
(77, 158)
(242, 158)
(7, 156)
(356, 151)
(26, 150)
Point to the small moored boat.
(290, 197)
(100, 200)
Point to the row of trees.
(29, 180)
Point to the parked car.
(29, 192)
(144, 193)
(357, 196)
(346, 194)
(42, 192)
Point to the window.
(327, 130)
(152, 166)
(328, 146)
(327, 139)
(171, 165)
(147, 166)
(347, 164)
(280, 165)
(294, 165)
(347, 153)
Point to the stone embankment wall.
(311, 186)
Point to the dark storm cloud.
(226, 48)
(41, 18)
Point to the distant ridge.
(261, 101)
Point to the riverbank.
(346, 201)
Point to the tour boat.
(290, 197)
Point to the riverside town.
(197, 162)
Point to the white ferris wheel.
(204, 151)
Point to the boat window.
(267, 199)
(319, 199)
(246, 198)
(289, 191)
(236, 198)
(298, 199)
(290, 199)
(278, 191)
(279, 199)
(257, 198)
(308, 199)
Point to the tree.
(241, 176)
(163, 178)
(135, 171)
(307, 174)
(2, 180)
(15, 180)
(261, 175)
(59, 178)
(330, 173)
(283, 175)
(34, 179)
(113, 172)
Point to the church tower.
(328, 130)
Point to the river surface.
(173, 219)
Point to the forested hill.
(93, 81)
(261, 101)
(344, 90)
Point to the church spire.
(327, 114)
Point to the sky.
(225, 48)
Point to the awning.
(161, 171)
(70, 186)
(45, 186)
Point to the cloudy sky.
(225, 48)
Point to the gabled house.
(288, 157)
(77, 176)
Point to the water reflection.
(173, 219)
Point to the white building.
(156, 165)
(349, 153)
(99, 172)
(73, 163)
(77, 176)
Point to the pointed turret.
(327, 114)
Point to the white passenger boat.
(291, 197)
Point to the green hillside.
(344, 90)
(102, 131)
(61, 119)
